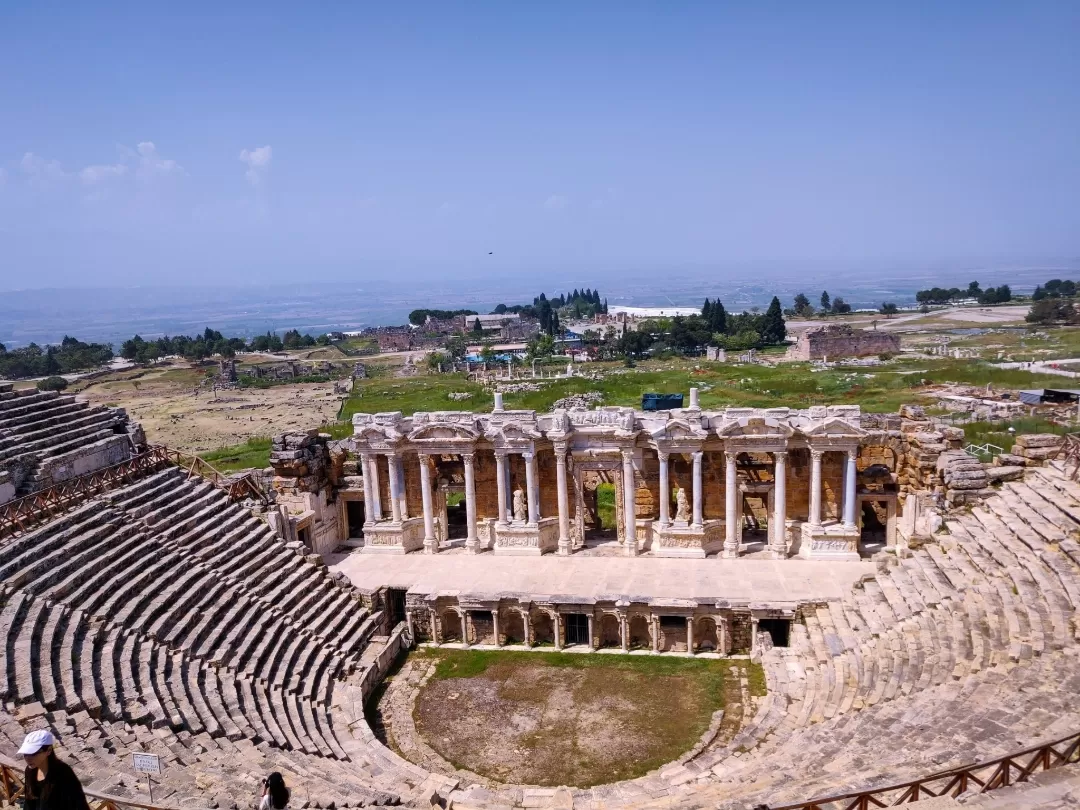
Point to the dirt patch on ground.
(530, 723)
(175, 410)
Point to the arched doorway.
(706, 639)
(610, 635)
(451, 626)
(640, 639)
(543, 629)
(515, 627)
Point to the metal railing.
(984, 449)
(982, 777)
(24, 513)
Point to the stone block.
(1009, 460)
(1032, 440)
(1003, 473)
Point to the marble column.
(558, 632)
(629, 518)
(376, 497)
(528, 628)
(655, 624)
(392, 462)
(731, 494)
(722, 636)
(500, 483)
(779, 533)
(665, 490)
(436, 629)
(495, 626)
(849, 489)
(690, 634)
(472, 544)
(815, 487)
(590, 620)
(464, 628)
(532, 485)
(431, 543)
(401, 489)
(624, 633)
(369, 499)
(564, 505)
(753, 634)
(697, 489)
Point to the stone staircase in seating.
(163, 615)
(46, 436)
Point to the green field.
(880, 389)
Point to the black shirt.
(59, 790)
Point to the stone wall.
(82, 461)
(841, 340)
(305, 478)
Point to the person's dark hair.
(279, 794)
(30, 780)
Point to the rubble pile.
(578, 402)
(963, 475)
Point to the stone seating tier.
(961, 648)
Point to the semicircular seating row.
(162, 615)
(963, 651)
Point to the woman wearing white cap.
(48, 783)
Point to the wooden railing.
(979, 778)
(11, 792)
(1070, 455)
(24, 513)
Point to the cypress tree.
(774, 329)
(718, 321)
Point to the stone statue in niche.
(520, 506)
(682, 506)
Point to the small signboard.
(147, 763)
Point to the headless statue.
(682, 507)
(520, 507)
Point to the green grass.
(584, 719)
(877, 389)
(252, 453)
(605, 505)
(982, 433)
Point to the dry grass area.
(175, 410)
(560, 719)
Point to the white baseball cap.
(36, 740)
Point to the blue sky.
(204, 143)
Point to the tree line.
(941, 295)
(211, 342)
(828, 305)
(71, 356)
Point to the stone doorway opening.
(610, 632)
(515, 627)
(706, 639)
(640, 638)
(451, 626)
(872, 537)
(354, 513)
(395, 605)
(779, 629)
(543, 629)
(599, 521)
(756, 506)
(577, 628)
(672, 634)
(304, 536)
(457, 527)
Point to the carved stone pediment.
(834, 428)
(757, 427)
(615, 420)
(441, 431)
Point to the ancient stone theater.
(912, 608)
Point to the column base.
(564, 548)
(729, 552)
(431, 545)
(472, 546)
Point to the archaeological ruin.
(842, 340)
(914, 610)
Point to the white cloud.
(258, 161)
(95, 174)
(37, 167)
(556, 202)
(149, 163)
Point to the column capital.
(528, 455)
(816, 453)
(468, 457)
(627, 454)
(501, 452)
(663, 455)
(698, 455)
(780, 455)
(853, 453)
(560, 449)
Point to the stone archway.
(514, 626)
(706, 639)
(640, 637)
(610, 632)
(450, 623)
(543, 628)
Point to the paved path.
(589, 578)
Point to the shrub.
(52, 384)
